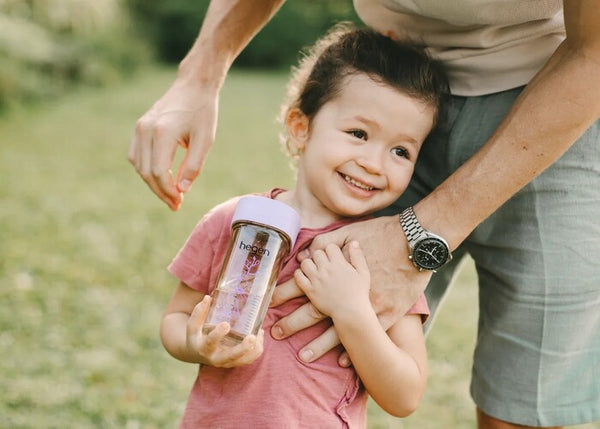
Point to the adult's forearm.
(228, 27)
(555, 108)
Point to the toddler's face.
(360, 150)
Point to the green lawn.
(83, 250)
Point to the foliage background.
(274, 47)
(49, 46)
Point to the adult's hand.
(186, 115)
(395, 282)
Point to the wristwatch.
(428, 251)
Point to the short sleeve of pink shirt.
(198, 262)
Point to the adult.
(514, 176)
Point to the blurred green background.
(83, 242)
(49, 46)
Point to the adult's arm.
(555, 108)
(186, 114)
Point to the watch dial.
(430, 254)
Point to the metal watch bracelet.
(411, 226)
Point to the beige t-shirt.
(487, 45)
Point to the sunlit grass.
(83, 250)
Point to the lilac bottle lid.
(269, 212)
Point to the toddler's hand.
(333, 283)
(209, 346)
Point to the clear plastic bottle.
(263, 233)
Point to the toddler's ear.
(297, 124)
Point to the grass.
(83, 250)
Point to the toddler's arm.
(181, 333)
(392, 365)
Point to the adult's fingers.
(284, 292)
(146, 149)
(191, 165)
(320, 345)
(185, 115)
(165, 140)
(303, 317)
(344, 359)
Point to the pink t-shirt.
(277, 390)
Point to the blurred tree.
(47, 46)
(172, 26)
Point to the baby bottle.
(263, 233)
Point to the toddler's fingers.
(335, 254)
(260, 341)
(308, 267)
(301, 280)
(211, 341)
(357, 257)
(198, 316)
(257, 347)
(319, 258)
(245, 352)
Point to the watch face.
(430, 253)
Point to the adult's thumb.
(320, 242)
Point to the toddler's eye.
(401, 152)
(359, 134)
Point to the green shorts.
(537, 357)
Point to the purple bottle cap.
(269, 212)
